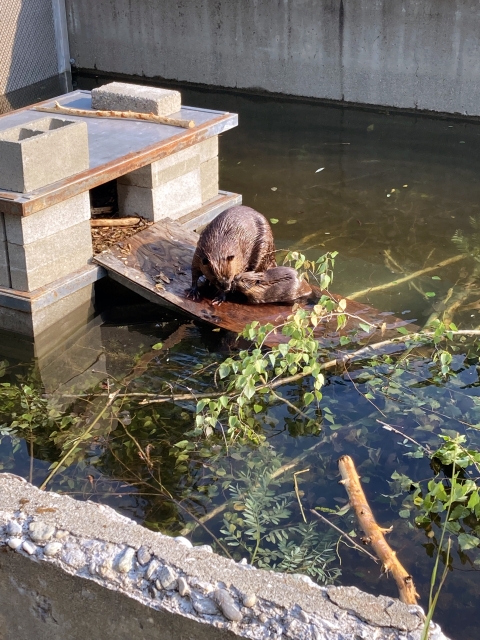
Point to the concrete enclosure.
(401, 53)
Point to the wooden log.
(114, 222)
(374, 533)
(122, 115)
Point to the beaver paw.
(219, 298)
(193, 294)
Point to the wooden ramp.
(166, 249)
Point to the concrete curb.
(221, 598)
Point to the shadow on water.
(386, 191)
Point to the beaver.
(237, 240)
(280, 284)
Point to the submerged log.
(375, 534)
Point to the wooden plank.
(167, 248)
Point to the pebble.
(125, 563)
(73, 556)
(183, 541)
(52, 548)
(14, 543)
(61, 534)
(143, 556)
(168, 578)
(205, 606)
(204, 547)
(249, 600)
(13, 528)
(29, 547)
(152, 567)
(41, 531)
(183, 588)
(227, 605)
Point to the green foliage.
(258, 526)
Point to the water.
(391, 193)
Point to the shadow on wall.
(28, 53)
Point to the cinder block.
(42, 152)
(208, 148)
(4, 270)
(25, 230)
(170, 200)
(39, 263)
(121, 96)
(209, 179)
(162, 171)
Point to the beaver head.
(244, 282)
(220, 268)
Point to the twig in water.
(344, 535)
(297, 473)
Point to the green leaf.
(430, 294)
(223, 370)
(158, 346)
(404, 513)
(308, 398)
(365, 327)
(402, 330)
(467, 541)
(274, 220)
(436, 278)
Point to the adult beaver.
(280, 284)
(237, 240)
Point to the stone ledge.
(93, 543)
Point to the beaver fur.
(280, 284)
(237, 240)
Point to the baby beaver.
(280, 284)
(237, 240)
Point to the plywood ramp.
(156, 263)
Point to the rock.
(183, 541)
(151, 569)
(41, 531)
(29, 547)
(249, 600)
(158, 584)
(14, 543)
(125, 563)
(73, 556)
(13, 528)
(143, 556)
(52, 548)
(205, 606)
(227, 605)
(168, 578)
(183, 588)
(204, 547)
(62, 534)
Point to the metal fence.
(33, 42)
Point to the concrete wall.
(404, 53)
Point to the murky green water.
(386, 191)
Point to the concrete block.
(41, 152)
(162, 171)
(121, 96)
(45, 223)
(172, 166)
(209, 179)
(4, 270)
(170, 200)
(208, 149)
(39, 263)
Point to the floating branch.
(119, 115)
(415, 274)
(375, 534)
